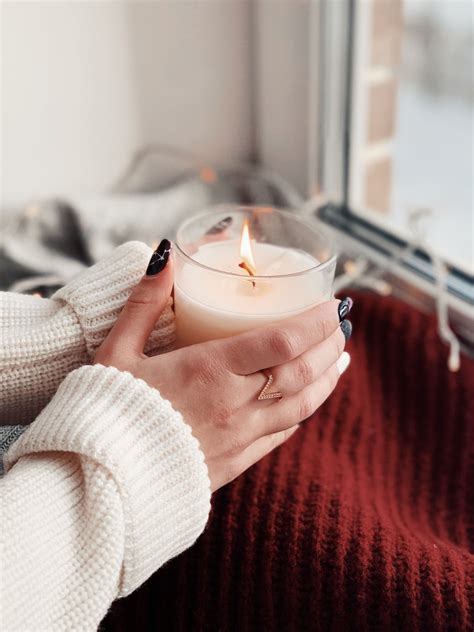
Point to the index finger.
(282, 341)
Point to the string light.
(208, 175)
(355, 274)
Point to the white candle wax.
(210, 305)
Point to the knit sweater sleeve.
(105, 486)
(42, 340)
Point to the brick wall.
(383, 60)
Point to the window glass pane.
(414, 119)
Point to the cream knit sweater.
(107, 483)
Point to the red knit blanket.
(362, 521)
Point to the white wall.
(84, 84)
(282, 89)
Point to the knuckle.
(332, 377)
(305, 407)
(326, 319)
(339, 343)
(138, 302)
(326, 328)
(207, 373)
(282, 343)
(139, 297)
(305, 372)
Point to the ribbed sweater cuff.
(98, 294)
(123, 424)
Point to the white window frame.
(339, 143)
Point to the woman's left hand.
(215, 385)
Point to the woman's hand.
(215, 385)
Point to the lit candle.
(232, 285)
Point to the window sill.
(412, 278)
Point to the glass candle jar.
(242, 267)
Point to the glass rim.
(242, 208)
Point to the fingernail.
(159, 258)
(344, 307)
(346, 327)
(343, 362)
(220, 226)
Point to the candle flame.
(248, 263)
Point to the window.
(412, 120)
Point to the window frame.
(356, 232)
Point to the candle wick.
(249, 269)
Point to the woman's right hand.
(215, 385)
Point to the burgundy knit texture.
(361, 521)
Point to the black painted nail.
(345, 307)
(346, 327)
(159, 258)
(220, 226)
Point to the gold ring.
(264, 394)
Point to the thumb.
(146, 302)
